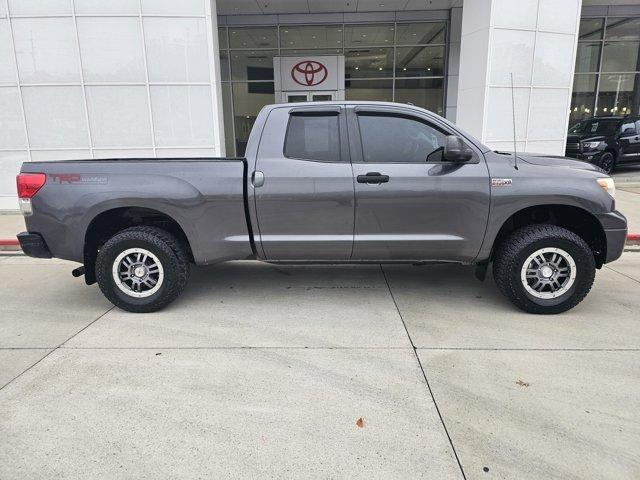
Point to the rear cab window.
(313, 136)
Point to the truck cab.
(363, 182)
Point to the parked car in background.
(605, 141)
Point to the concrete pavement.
(627, 180)
(628, 202)
(10, 224)
(540, 414)
(264, 371)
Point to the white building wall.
(536, 41)
(99, 79)
(453, 63)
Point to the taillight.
(29, 184)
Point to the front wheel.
(607, 162)
(142, 269)
(544, 268)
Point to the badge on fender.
(501, 182)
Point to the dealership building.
(82, 79)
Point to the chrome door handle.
(257, 179)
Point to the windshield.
(596, 126)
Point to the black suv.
(605, 141)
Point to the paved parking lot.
(317, 372)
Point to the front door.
(312, 96)
(305, 197)
(410, 204)
(629, 141)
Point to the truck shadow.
(256, 280)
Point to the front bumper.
(33, 245)
(591, 157)
(615, 231)
(615, 244)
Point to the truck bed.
(205, 196)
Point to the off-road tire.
(513, 251)
(167, 248)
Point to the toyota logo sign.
(309, 73)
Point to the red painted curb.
(633, 236)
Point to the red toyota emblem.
(309, 73)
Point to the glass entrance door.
(322, 96)
(295, 97)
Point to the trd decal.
(77, 178)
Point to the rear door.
(304, 192)
(410, 204)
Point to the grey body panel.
(304, 208)
(410, 217)
(205, 197)
(312, 211)
(544, 181)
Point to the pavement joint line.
(26, 348)
(56, 348)
(470, 349)
(424, 374)
(232, 348)
(623, 274)
(27, 369)
(474, 349)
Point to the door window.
(399, 139)
(628, 129)
(313, 137)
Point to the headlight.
(608, 186)
(590, 145)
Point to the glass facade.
(607, 70)
(402, 62)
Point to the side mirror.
(455, 150)
(629, 131)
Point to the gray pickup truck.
(335, 182)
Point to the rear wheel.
(142, 269)
(607, 162)
(544, 268)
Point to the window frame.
(631, 121)
(319, 111)
(357, 145)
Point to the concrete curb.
(12, 245)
